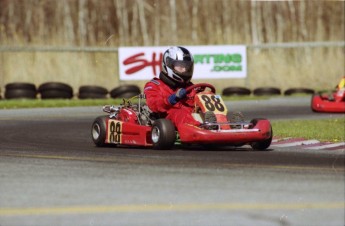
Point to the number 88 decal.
(115, 132)
(212, 103)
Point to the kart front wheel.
(163, 134)
(264, 144)
(98, 131)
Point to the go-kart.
(327, 102)
(136, 125)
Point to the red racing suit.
(157, 93)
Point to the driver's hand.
(177, 96)
(181, 93)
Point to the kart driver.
(340, 90)
(167, 94)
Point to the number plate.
(114, 132)
(211, 102)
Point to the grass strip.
(75, 102)
(48, 103)
(332, 130)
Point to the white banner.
(211, 62)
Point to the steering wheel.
(202, 87)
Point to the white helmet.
(178, 64)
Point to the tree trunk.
(82, 23)
(69, 36)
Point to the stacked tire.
(125, 91)
(20, 90)
(235, 90)
(92, 92)
(263, 91)
(55, 90)
(292, 91)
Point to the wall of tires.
(59, 90)
(264, 91)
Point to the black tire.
(236, 91)
(92, 92)
(298, 90)
(127, 95)
(98, 131)
(20, 93)
(261, 145)
(261, 91)
(55, 86)
(20, 85)
(163, 134)
(56, 94)
(93, 89)
(121, 90)
(92, 96)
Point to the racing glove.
(176, 97)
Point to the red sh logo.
(140, 58)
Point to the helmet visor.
(183, 69)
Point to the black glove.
(176, 97)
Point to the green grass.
(324, 130)
(47, 103)
(38, 103)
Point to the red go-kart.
(136, 125)
(325, 102)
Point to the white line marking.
(297, 143)
(327, 146)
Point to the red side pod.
(127, 133)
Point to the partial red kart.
(136, 125)
(327, 102)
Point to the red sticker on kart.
(212, 102)
(114, 132)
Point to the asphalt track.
(52, 174)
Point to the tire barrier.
(55, 90)
(292, 91)
(263, 91)
(92, 92)
(235, 90)
(20, 90)
(59, 90)
(125, 91)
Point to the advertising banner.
(211, 62)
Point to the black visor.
(184, 69)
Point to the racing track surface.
(52, 174)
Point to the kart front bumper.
(192, 134)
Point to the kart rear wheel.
(163, 134)
(98, 131)
(264, 144)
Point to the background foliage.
(164, 22)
